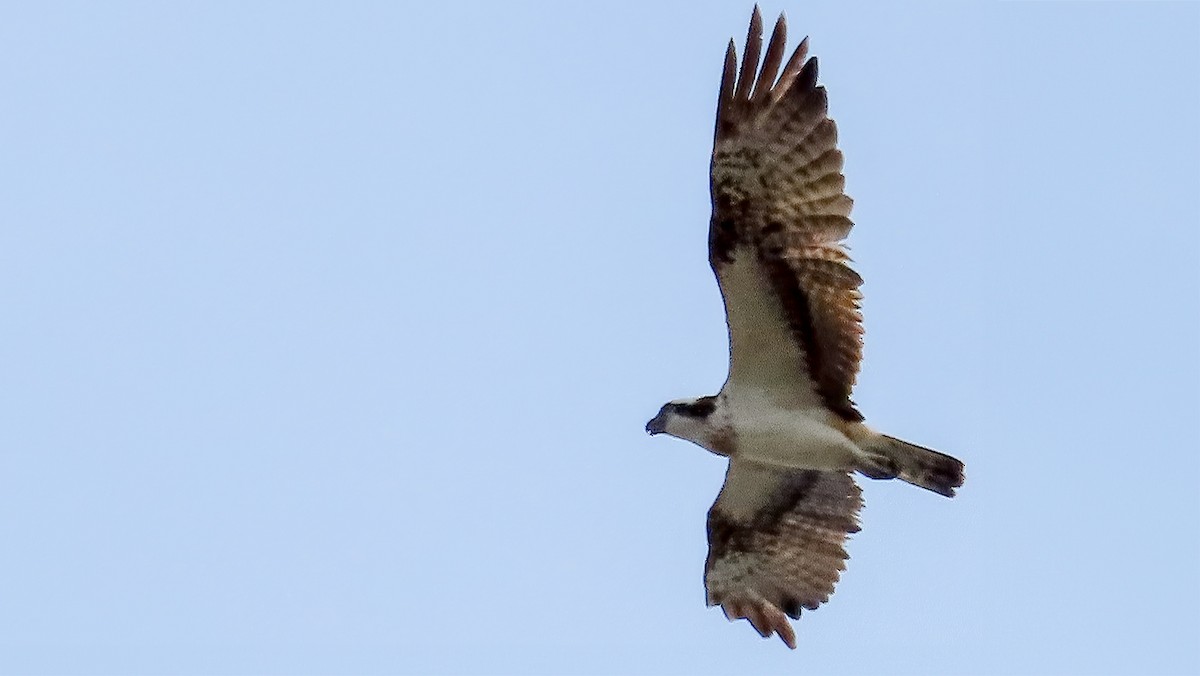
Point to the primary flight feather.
(784, 417)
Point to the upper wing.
(779, 213)
(775, 542)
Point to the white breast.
(790, 438)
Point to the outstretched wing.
(779, 214)
(775, 541)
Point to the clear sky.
(330, 331)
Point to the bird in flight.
(784, 417)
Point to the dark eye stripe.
(702, 408)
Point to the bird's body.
(749, 424)
(784, 417)
(788, 438)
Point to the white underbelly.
(791, 438)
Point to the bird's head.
(686, 419)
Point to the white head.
(689, 419)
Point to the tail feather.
(919, 466)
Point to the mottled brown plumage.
(776, 536)
(784, 417)
(775, 543)
(778, 195)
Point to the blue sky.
(330, 333)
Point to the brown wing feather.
(776, 542)
(779, 196)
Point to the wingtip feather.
(764, 617)
(725, 95)
(792, 69)
(808, 74)
(750, 57)
(787, 634)
(771, 62)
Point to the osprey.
(784, 416)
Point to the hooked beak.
(658, 425)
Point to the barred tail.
(892, 458)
